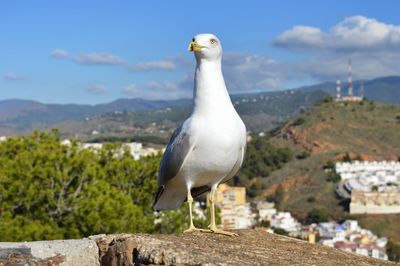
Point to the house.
(236, 213)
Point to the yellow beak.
(194, 47)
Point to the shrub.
(333, 177)
(303, 155)
(279, 196)
(347, 158)
(329, 165)
(265, 223)
(393, 250)
(328, 99)
(299, 121)
(317, 216)
(311, 199)
(281, 231)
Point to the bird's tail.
(159, 192)
(169, 197)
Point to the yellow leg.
(213, 225)
(192, 228)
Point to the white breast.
(218, 143)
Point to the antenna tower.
(350, 80)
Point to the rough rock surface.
(252, 247)
(83, 252)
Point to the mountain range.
(384, 89)
(261, 111)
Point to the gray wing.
(174, 156)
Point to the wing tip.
(159, 192)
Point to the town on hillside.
(348, 235)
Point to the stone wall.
(251, 247)
(374, 202)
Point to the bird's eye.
(213, 41)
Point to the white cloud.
(131, 90)
(153, 65)
(59, 53)
(372, 45)
(300, 37)
(166, 85)
(97, 89)
(251, 72)
(365, 65)
(243, 72)
(13, 77)
(353, 33)
(159, 90)
(101, 58)
(105, 58)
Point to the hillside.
(23, 116)
(10, 109)
(261, 111)
(367, 127)
(328, 132)
(130, 118)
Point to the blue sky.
(98, 51)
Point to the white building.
(351, 225)
(236, 213)
(284, 220)
(266, 210)
(374, 187)
(349, 236)
(136, 148)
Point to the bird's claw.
(222, 232)
(213, 229)
(192, 229)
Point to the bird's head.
(206, 46)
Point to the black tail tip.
(157, 197)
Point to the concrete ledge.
(82, 252)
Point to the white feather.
(216, 132)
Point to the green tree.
(281, 231)
(393, 250)
(299, 121)
(49, 190)
(317, 216)
(279, 196)
(303, 155)
(330, 165)
(262, 157)
(347, 158)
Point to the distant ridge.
(385, 89)
(19, 116)
(10, 109)
(261, 111)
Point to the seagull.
(209, 147)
